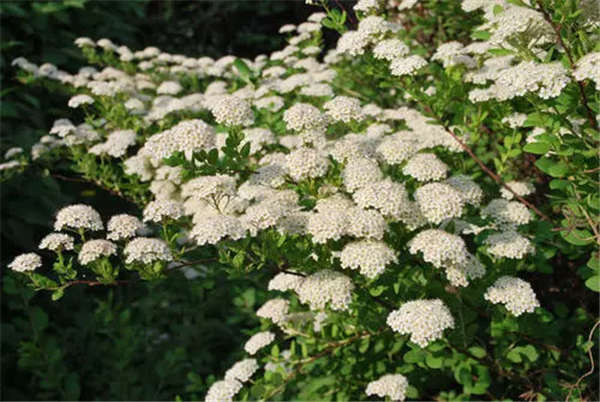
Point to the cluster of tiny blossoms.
(325, 166)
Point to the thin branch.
(591, 356)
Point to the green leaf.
(514, 356)
(559, 169)
(593, 283)
(434, 362)
(238, 260)
(538, 148)
(594, 262)
(483, 35)
(577, 237)
(477, 351)
(243, 70)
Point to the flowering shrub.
(420, 202)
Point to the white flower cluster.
(424, 320)
(588, 67)
(91, 250)
(426, 167)
(326, 287)
(344, 108)
(223, 391)
(146, 251)
(439, 201)
(242, 371)
(78, 216)
(160, 210)
(390, 385)
(123, 226)
(516, 294)
(507, 212)
(275, 309)
(26, 262)
(521, 188)
(57, 242)
(258, 341)
(116, 144)
(369, 256)
(232, 111)
(509, 244)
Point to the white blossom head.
(390, 385)
(424, 320)
(439, 201)
(369, 256)
(517, 295)
(57, 242)
(26, 262)
(160, 210)
(324, 288)
(242, 371)
(146, 251)
(232, 111)
(92, 250)
(223, 391)
(258, 341)
(78, 217)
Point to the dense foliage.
(412, 213)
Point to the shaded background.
(142, 342)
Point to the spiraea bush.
(420, 200)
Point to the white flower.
(157, 211)
(305, 163)
(407, 65)
(169, 88)
(147, 251)
(439, 248)
(390, 49)
(26, 262)
(468, 189)
(79, 100)
(439, 201)
(122, 227)
(370, 256)
(353, 43)
(258, 341)
(507, 212)
(78, 216)
(223, 391)
(232, 111)
(588, 67)
(275, 309)
(242, 370)
(303, 116)
(211, 227)
(395, 149)
(392, 385)
(521, 188)
(57, 242)
(516, 294)
(424, 320)
(326, 287)
(91, 250)
(509, 244)
(344, 108)
(388, 197)
(425, 167)
(116, 144)
(284, 281)
(359, 172)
